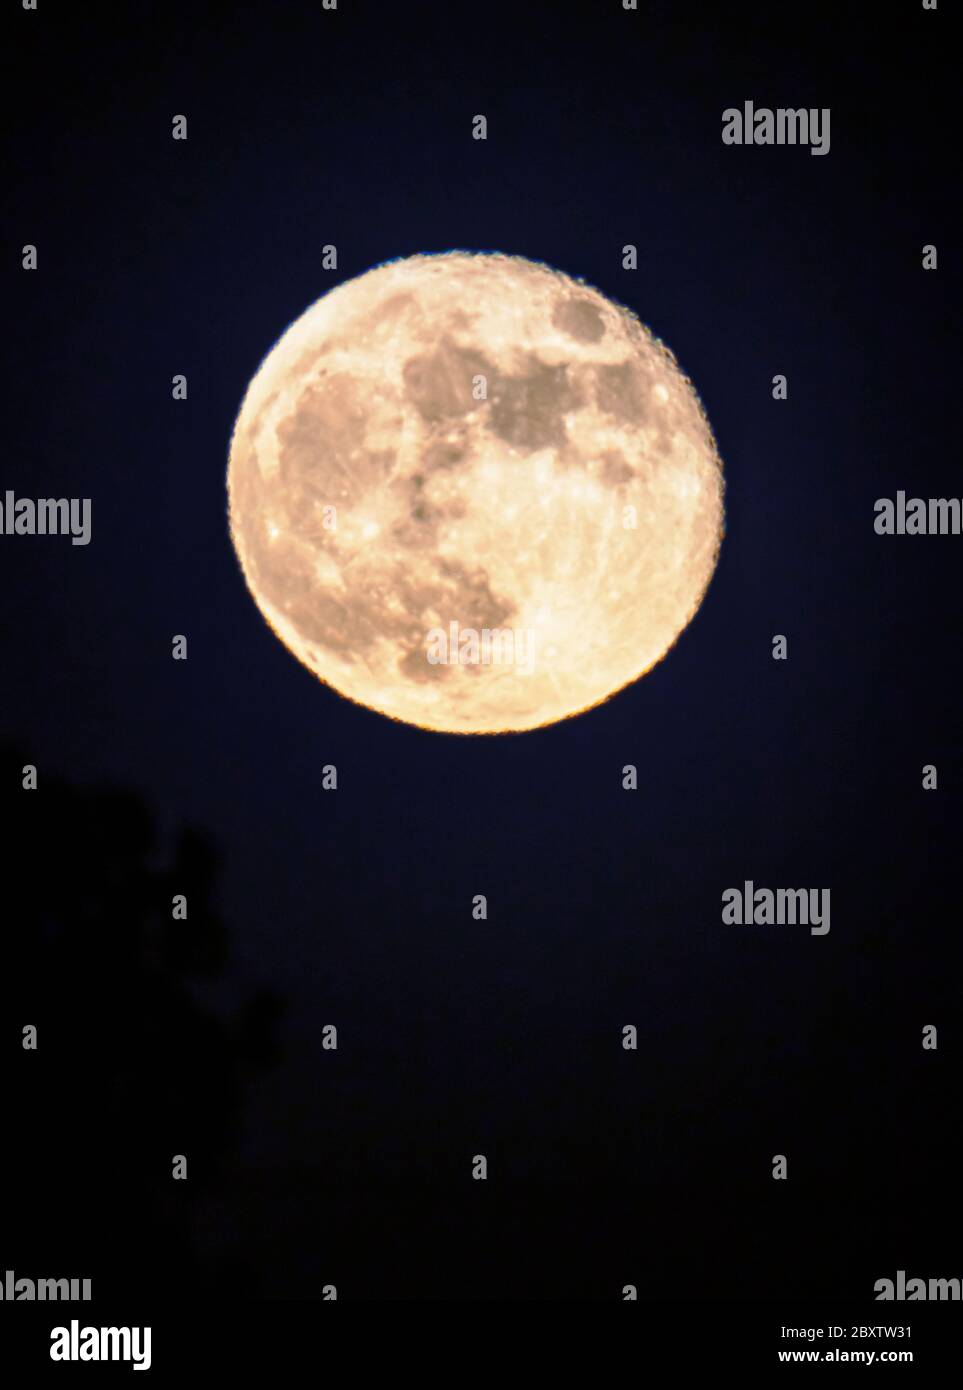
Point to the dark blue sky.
(156, 257)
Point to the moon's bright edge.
(465, 444)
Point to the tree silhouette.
(132, 1065)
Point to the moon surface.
(472, 493)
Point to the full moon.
(473, 494)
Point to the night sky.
(352, 1167)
